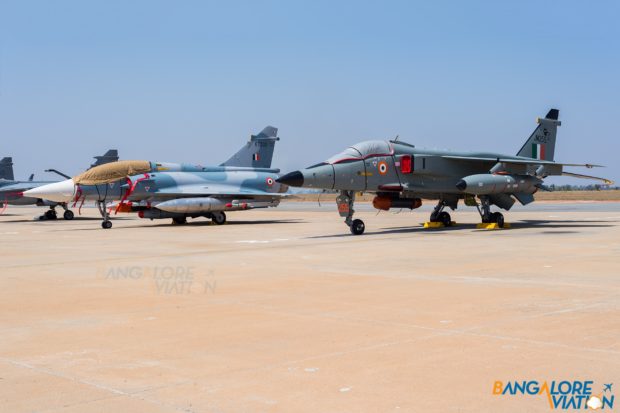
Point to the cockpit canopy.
(362, 150)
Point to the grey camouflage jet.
(401, 175)
(157, 190)
(11, 191)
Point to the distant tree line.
(591, 187)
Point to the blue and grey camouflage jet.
(11, 191)
(401, 175)
(157, 190)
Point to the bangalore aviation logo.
(561, 395)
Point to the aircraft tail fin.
(6, 169)
(541, 143)
(110, 156)
(257, 152)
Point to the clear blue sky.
(189, 81)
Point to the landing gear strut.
(486, 214)
(106, 223)
(439, 215)
(345, 202)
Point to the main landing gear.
(106, 223)
(218, 218)
(68, 214)
(487, 216)
(345, 202)
(439, 215)
(51, 214)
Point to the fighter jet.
(401, 175)
(157, 190)
(11, 191)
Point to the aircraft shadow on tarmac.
(209, 223)
(59, 220)
(515, 226)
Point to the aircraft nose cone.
(295, 178)
(62, 191)
(461, 185)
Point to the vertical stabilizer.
(541, 143)
(110, 156)
(6, 169)
(258, 152)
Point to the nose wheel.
(345, 202)
(357, 227)
(106, 224)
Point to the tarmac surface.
(282, 310)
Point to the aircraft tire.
(499, 219)
(68, 215)
(357, 227)
(50, 214)
(106, 224)
(179, 221)
(445, 219)
(218, 218)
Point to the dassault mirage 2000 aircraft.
(167, 190)
(401, 175)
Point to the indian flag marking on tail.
(256, 157)
(538, 151)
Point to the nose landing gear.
(106, 223)
(345, 202)
(357, 227)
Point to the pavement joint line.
(468, 331)
(65, 376)
(450, 278)
(80, 403)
